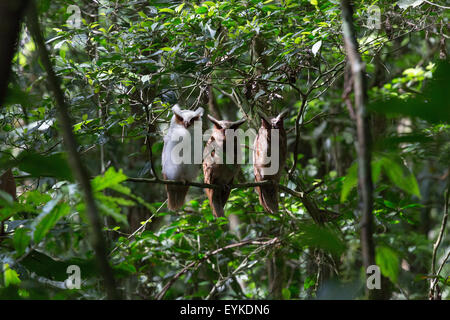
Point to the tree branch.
(245, 185)
(363, 136)
(97, 240)
(11, 19)
(434, 281)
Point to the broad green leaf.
(201, 10)
(286, 293)
(321, 237)
(109, 179)
(168, 10)
(10, 276)
(51, 213)
(388, 261)
(209, 3)
(309, 282)
(396, 174)
(113, 212)
(433, 104)
(21, 240)
(180, 7)
(37, 165)
(350, 181)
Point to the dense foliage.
(129, 62)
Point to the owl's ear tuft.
(199, 112)
(215, 121)
(264, 121)
(236, 124)
(283, 114)
(176, 109)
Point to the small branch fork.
(197, 263)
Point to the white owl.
(178, 153)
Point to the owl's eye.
(193, 119)
(178, 118)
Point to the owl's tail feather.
(268, 198)
(175, 196)
(217, 200)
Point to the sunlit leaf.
(388, 261)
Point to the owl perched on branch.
(180, 152)
(269, 158)
(220, 165)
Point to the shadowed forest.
(91, 206)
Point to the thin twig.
(436, 245)
(197, 263)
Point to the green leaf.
(113, 211)
(10, 276)
(180, 7)
(109, 179)
(388, 261)
(321, 237)
(286, 293)
(350, 181)
(201, 10)
(433, 104)
(21, 240)
(51, 213)
(309, 282)
(163, 10)
(37, 165)
(117, 200)
(396, 173)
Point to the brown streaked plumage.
(268, 195)
(7, 183)
(215, 167)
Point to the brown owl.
(265, 164)
(216, 168)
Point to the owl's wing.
(208, 165)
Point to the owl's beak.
(186, 124)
